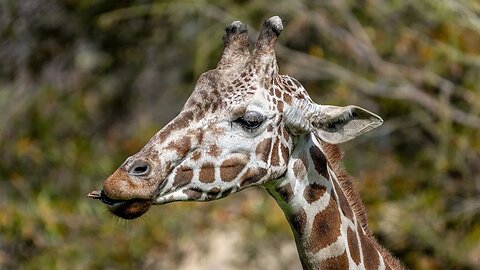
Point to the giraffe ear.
(331, 124)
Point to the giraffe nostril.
(139, 168)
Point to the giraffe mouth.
(126, 209)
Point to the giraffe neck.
(328, 232)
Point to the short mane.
(334, 156)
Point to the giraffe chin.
(130, 209)
(126, 209)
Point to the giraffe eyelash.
(251, 120)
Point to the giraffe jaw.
(126, 209)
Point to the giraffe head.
(236, 130)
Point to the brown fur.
(214, 151)
(181, 146)
(213, 193)
(319, 161)
(207, 173)
(353, 246)
(252, 176)
(314, 192)
(263, 149)
(298, 222)
(193, 194)
(230, 168)
(183, 176)
(275, 158)
(299, 169)
(326, 227)
(336, 263)
(285, 134)
(334, 157)
(285, 152)
(342, 200)
(280, 106)
(285, 192)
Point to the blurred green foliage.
(84, 84)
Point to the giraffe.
(246, 125)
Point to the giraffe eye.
(251, 120)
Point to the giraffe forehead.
(215, 93)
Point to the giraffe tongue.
(96, 194)
(100, 195)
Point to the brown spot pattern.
(353, 246)
(183, 176)
(214, 106)
(326, 227)
(299, 169)
(213, 193)
(287, 98)
(207, 173)
(275, 159)
(252, 176)
(314, 192)
(214, 150)
(285, 152)
(196, 155)
(285, 134)
(200, 114)
(180, 122)
(230, 168)
(277, 93)
(280, 106)
(181, 146)
(199, 137)
(370, 254)
(319, 161)
(193, 194)
(263, 149)
(304, 159)
(298, 222)
(288, 82)
(285, 192)
(335, 263)
(215, 93)
(342, 200)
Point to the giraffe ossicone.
(246, 125)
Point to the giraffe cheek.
(183, 176)
(207, 173)
(263, 149)
(252, 177)
(231, 168)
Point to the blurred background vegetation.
(84, 84)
